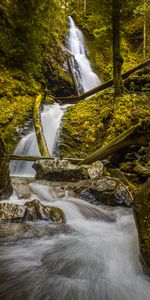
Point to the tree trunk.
(117, 59)
(39, 129)
(136, 135)
(5, 181)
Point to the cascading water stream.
(51, 118)
(86, 79)
(95, 260)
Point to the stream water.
(95, 259)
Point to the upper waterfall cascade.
(86, 79)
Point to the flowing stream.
(94, 259)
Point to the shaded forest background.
(32, 34)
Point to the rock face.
(107, 191)
(31, 211)
(141, 205)
(5, 181)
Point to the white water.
(51, 118)
(98, 260)
(85, 77)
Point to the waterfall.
(51, 118)
(86, 79)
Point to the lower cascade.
(89, 258)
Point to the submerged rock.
(15, 231)
(141, 206)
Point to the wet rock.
(5, 181)
(12, 212)
(31, 211)
(53, 214)
(141, 206)
(59, 170)
(96, 170)
(107, 191)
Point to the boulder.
(31, 211)
(141, 207)
(63, 170)
(59, 170)
(107, 191)
(43, 212)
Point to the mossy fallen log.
(38, 127)
(5, 180)
(141, 208)
(136, 135)
(103, 86)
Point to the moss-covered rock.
(141, 205)
(139, 81)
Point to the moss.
(97, 120)
(16, 103)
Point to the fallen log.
(38, 127)
(136, 135)
(107, 84)
(35, 158)
(6, 188)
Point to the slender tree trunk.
(6, 188)
(84, 5)
(117, 59)
(144, 31)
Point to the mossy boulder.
(141, 206)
